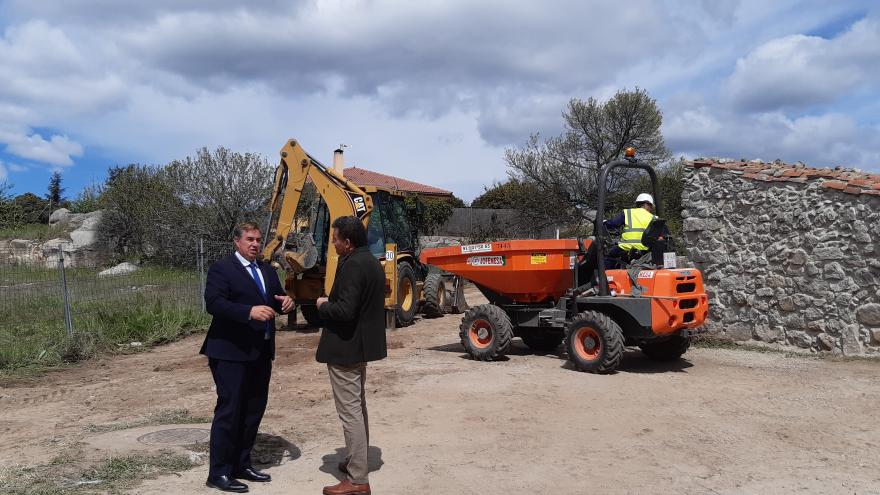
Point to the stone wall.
(790, 255)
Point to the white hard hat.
(645, 198)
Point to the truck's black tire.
(435, 295)
(310, 313)
(542, 340)
(594, 342)
(485, 332)
(667, 350)
(406, 295)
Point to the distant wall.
(790, 255)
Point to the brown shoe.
(346, 487)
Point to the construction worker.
(634, 221)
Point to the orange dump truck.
(555, 290)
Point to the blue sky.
(432, 91)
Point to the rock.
(852, 346)
(828, 253)
(739, 331)
(875, 335)
(833, 271)
(869, 315)
(59, 216)
(120, 269)
(799, 339)
(698, 224)
(764, 292)
(766, 333)
(797, 257)
(826, 342)
(786, 304)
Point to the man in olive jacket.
(354, 333)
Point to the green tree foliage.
(221, 188)
(565, 169)
(427, 214)
(34, 209)
(10, 212)
(87, 200)
(157, 213)
(55, 192)
(510, 194)
(144, 218)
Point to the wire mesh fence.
(45, 303)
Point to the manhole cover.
(175, 436)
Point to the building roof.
(848, 180)
(364, 177)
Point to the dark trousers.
(619, 258)
(242, 393)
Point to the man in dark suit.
(354, 333)
(243, 296)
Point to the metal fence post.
(201, 265)
(68, 321)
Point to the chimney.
(338, 161)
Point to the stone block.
(797, 257)
(828, 253)
(699, 224)
(120, 269)
(826, 342)
(875, 335)
(799, 339)
(869, 315)
(767, 333)
(786, 303)
(764, 292)
(833, 271)
(739, 331)
(852, 346)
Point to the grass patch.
(65, 474)
(149, 307)
(32, 232)
(167, 417)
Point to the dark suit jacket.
(230, 292)
(354, 315)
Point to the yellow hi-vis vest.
(637, 221)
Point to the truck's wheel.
(485, 332)
(542, 340)
(594, 342)
(435, 295)
(310, 313)
(406, 295)
(667, 350)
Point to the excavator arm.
(342, 197)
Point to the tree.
(509, 194)
(221, 188)
(565, 169)
(427, 214)
(54, 194)
(144, 218)
(34, 209)
(10, 213)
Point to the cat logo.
(359, 205)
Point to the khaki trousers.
(351, 405)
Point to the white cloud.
(824, 140)
(58, 150)
(801, 71)
(4, 174)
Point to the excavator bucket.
(525, 271)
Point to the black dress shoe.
(251, 474)
(226, 484)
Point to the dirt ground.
(720, 421)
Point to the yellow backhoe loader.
(310, 260)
